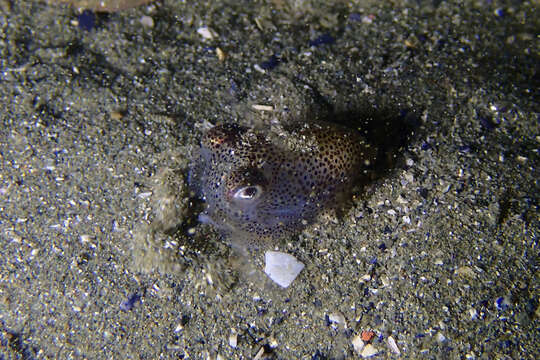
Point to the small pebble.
(147, 21)
(85, 238)
(259, 68)
(221, 54)
(465, 271)
(117, 115)
(367, 335)
(368, 19)
(401, 200)
(521, 159)
(440, 337)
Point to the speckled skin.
(267, 189)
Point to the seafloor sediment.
(102, 254)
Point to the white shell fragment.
(147, 21)
(338, 319)
(207, 33)
(393, 346)
(261, 107)
(369, 351)
(281, 267)
(358, 344)
(233, 339)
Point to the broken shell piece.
(261, 107)
(260, 354)
(338, 319)
(369, 351)
(393, 346)
(281, 267)
(207, 33)
(221, 54)
(358, 344)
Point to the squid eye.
(251, 192)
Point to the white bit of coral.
(393, 346)
(281, 267)
(358, 344)
(369, 351)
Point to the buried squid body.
(265, 187)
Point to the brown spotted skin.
(265, 189)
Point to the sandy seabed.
(102, 254)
